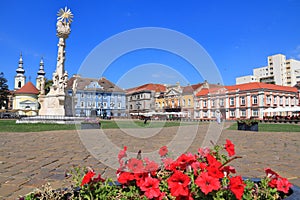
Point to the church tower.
(20, 78)
(40, 79)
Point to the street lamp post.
(138, 108)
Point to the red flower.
(212, 161)
(184, 160)
(151, 167)
(270, 173)
(98, 179)
(215, 171)
(237, 186)
(150, 187)
(214, 166)
(163, 151)
(228, 169)
(198, 166)
(167, 163)
(207, 183)
(229, 146)
(122, 154)
(87, 177)
(139, 178)
(283, 185)
(273, 183)
(125, 177)
(203, 152)
(135, 165)
(178, 184)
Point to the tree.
(48, 84)
(4, 92)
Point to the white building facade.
(279, 71)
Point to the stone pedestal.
(52, 104)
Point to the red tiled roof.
(259, 85)
(205, 91)
(247, 86)
(28, 88)
(191, 88)
(148, 86)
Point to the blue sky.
(237, 36)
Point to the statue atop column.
(54, 102)
(64, 20)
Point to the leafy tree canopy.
(4, 92)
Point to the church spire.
(20, 78)
(20, 70)
(41, 72)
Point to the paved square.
(29, 160)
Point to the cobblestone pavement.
(29, 160)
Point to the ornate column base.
(52, 105)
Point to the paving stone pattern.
(30, 160)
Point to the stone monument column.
(54, 102)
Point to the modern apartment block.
(279, 71)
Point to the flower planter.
(245, 127)
(294, 193)
(90, 126)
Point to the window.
(204, 104)
(232, 113)
(255, 113)
(82, 95)
(254, 99)
(189, 102)
(183, 102)
(105, 105)
(268, 99)
(213, 114)
(275, 100)
(221, 102)
(104, 96)
(280, 100)
(82, 104)
(119, 105)
(243, 101)
(112, 105)
(212, 103)
(130, 107)
(204, 114)
(99, 104)
(243, 113)
(231, 99)
(286, 101)
(163, 104)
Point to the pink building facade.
(243, 101)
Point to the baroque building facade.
(24, 97)
(93, 97)
(247, 100)
(142, 99)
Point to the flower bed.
(248, 124)
(205, 175)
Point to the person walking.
(218, 116)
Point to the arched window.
(19, 84)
